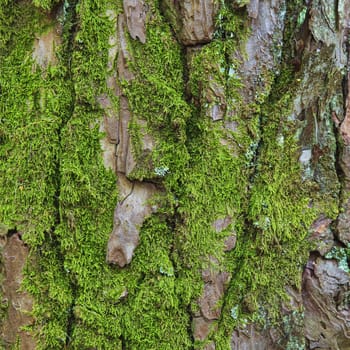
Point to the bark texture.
(175, 174)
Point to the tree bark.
(175, 174)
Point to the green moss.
(88, 191)
(56, 190)
(272, 245)
(27, 190)
(216, 179)
(230, 23)
(154, 312)
(33, 107)
(342, 255)
(156, 95)
(48, 283)
(62, 196)
(45, 4)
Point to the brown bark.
(308, 41)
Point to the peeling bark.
(129, 216)
(327, 313)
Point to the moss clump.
(217, 178)
(48, 282)
(271, 245)
(30, 121)
(62, 196)
(230, 23)
(154, 312)
(45, 4)
(87, 190)
(156, 96)
(33, 107)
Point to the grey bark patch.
(129, 216)
(343, 227)
(253, 8)
(215, 97)
(326, 303)
(214, 288)
(262, 53)
(201, 328)
(197, 21)
(329, 24)
(193, 20)
(321, 233)
(345, 125)
(203, 322)
(230, 242)
(249, 338)
(222, 223)
(136, 12)
(45, 46)
(125, 159)
(110, 126)
(124, 55)
(305, 156)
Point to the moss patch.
(33, 107)
(56, 190)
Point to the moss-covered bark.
(235, 113)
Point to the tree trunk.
(175, 174)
